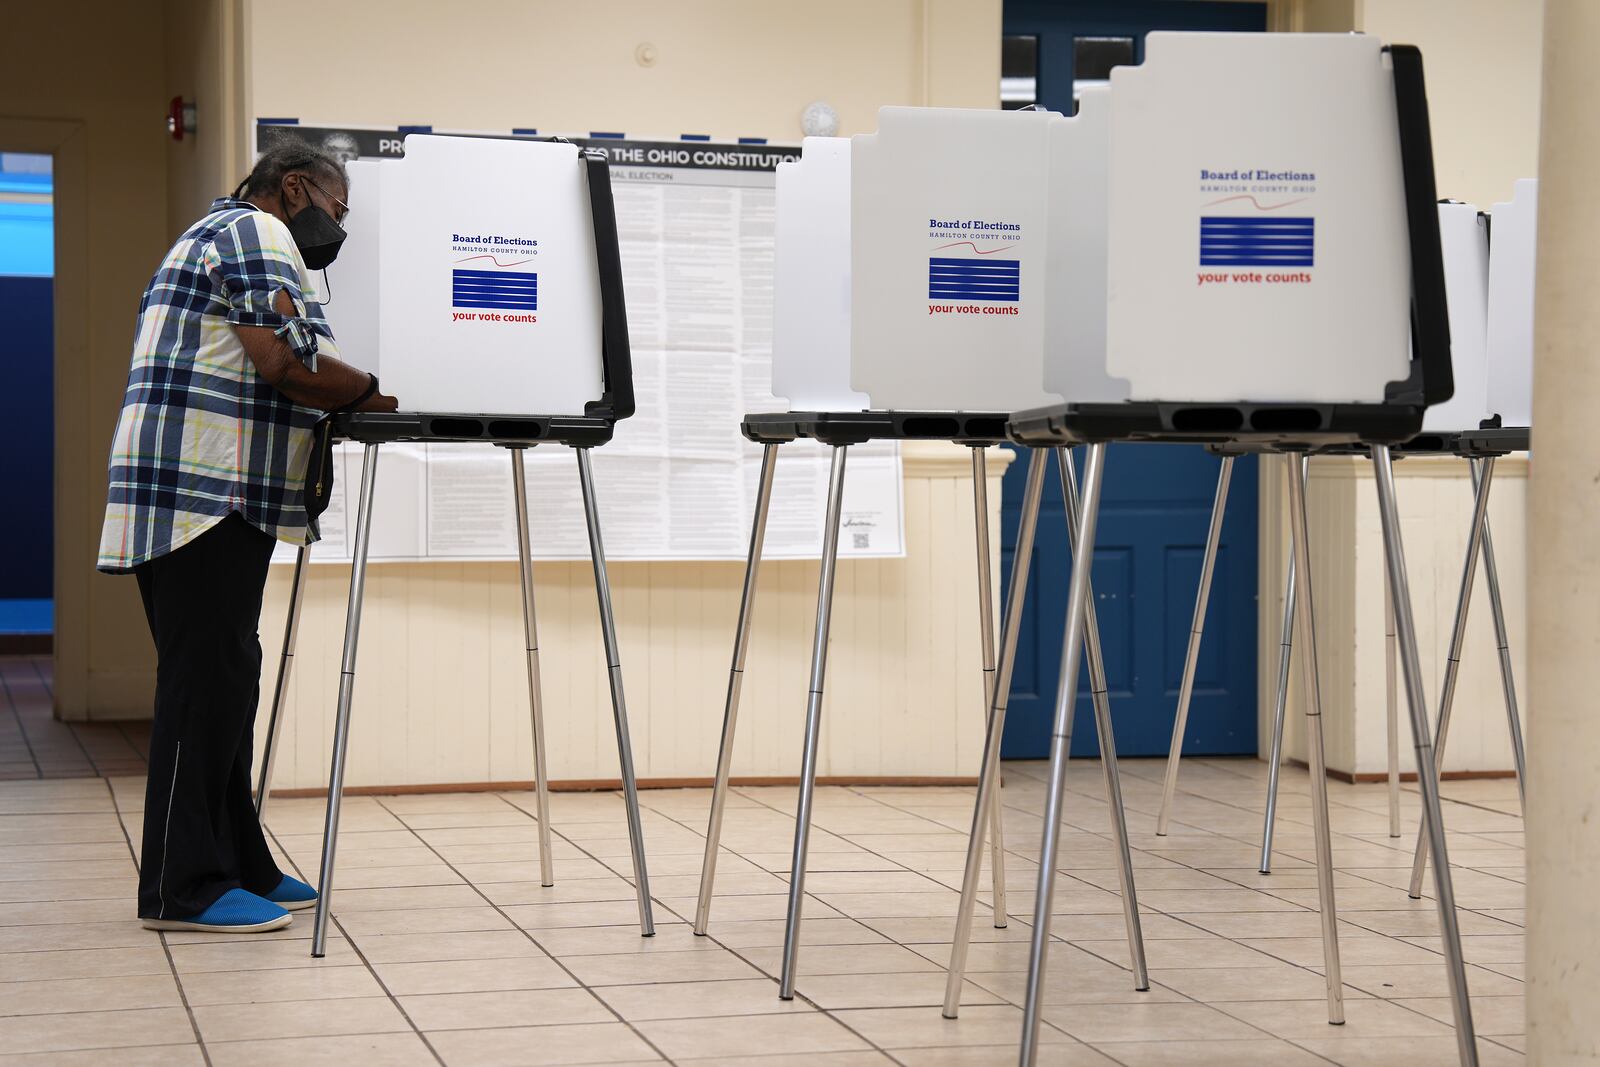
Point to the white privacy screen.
(351, 286)
(1464, 243)
(949, 220)
(1259, 248)
(1511, 257)
(1075, 324)
(489, 295)
(811, 302)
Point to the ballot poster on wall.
(695, 221)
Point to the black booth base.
(1232, 428)
(1466, 444)
(1498, 441)
(976, 428)
(511, 430)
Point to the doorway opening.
(27, 404)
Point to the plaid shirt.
(202, 434)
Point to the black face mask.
(316, 235)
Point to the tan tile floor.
(34, 745)
(446, 949)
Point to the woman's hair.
(284, 156)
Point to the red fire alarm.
(180, 118)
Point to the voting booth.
(1273, 282)
(482, 279)
(1464, 245)
(912, 299)
(1240, 238)
(1506, 336)
(1074, 309)
(948, 259)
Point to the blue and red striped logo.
(974, 279)
(501, 290)
(1235, 241)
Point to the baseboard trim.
(1367, 777)
(27, 644)
(597, 785)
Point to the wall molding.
(946, 459)
(602, 785)
(1359, 468)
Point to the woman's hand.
(381, 402)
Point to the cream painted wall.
(1435, 501)
(201, 66)
(1482, 59)
(442, 697)
(1563, 831)
(724, 67)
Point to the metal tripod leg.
(1060, 746)
(530, 633)
(1281, 708)
(808, 767)
(730, 709)
(1507, 680)
(980, 511)
(1452, 666)
(347, 686)
(280, 688)
(1427, 777)
(989, 773)
(619, 703)
(1391, 704)
(1196, 630)
(1315, 755)
(1100, 699)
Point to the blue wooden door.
(1156, 503)
(1155, 508)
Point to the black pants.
(201, 837)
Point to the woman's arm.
(333, 385)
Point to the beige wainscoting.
(1435, 500)
(441, 696)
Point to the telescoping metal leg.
(280, 688)
(347, 686)
(1060, 749)
(1427, 777)
(730, 709)
(808, 767)
(989, 773)
(980, 511)
(530, 633)
(619, 703)
(1314, 751)
(1196, 631)
(1391, 704)
(1491, 573)
(1452, 665)
(1281, 708)
(1100, 699)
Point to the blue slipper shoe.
(292, 894)
(235, 911)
